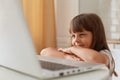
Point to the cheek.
(89, 43)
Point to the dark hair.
(91, 22)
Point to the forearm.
(89, 55)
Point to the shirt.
(111, 64)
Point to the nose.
(77, 39)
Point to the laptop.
(18, 54)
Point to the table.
(102, 74)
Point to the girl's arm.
(53, 52)
(88, 55)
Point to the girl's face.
(82, 39)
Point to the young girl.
(88, 42)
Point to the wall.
(97, 6)
(109, 13)
(65, 10)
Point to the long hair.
(91, 22)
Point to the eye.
(82, 35)
(72, 36)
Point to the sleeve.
(111, 64)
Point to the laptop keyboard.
(54, 66)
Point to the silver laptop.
(17, 52)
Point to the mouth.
(81, 45)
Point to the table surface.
(102, 74)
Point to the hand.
(72, 57)
(65, 50)
(70, 54)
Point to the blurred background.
(49, 21)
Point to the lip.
(80, 45)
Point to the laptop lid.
(16, 46)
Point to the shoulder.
(108, 53)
